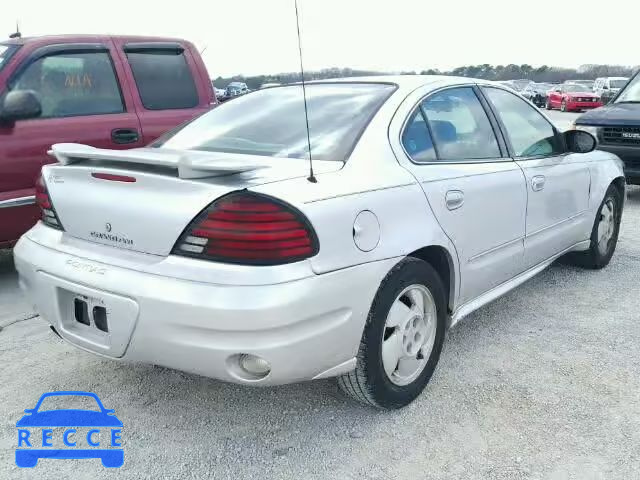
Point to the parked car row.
(234, 89)
(572, 95)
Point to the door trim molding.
(494, 249)
(557, 224)
(496, 292)
(18, 202)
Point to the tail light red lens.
(251, 229)
(49, 215)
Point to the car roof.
(409, 82)
(85, 38)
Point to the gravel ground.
(542, 384)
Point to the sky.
(259, 36)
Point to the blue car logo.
(103, 429)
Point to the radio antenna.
(311, 176)
(17, 33)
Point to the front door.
(82, 102)
(558, 183)
(477, 194)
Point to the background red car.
(571, 97)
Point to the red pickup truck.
(105, 91)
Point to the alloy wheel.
(409, 336)
(606, 226)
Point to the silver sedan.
(251, 248)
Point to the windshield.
(575, 88)
(68, 402)
(271, 122)
(618, 83)
(631, 93)
(6, 52)
(542, 87)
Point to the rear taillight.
(251, 229)
(49, 215)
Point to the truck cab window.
(72, 84)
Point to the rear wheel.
(604, 235)
(547, 104)
(402, 338)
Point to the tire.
(563, 106)
(547, 104)
(369, 382)
(598, 256)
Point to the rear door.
(558, 183)
(477, 194)
(166, 87)
(79, 86)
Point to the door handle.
(537, 183)
(124, 135)
(454, 199)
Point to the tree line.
(543, 73)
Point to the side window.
(460, 127)
(529, 132)
(416, 139)
(72, 84)
(163, 78)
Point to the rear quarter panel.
(373, 180)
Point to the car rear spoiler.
(189, 164)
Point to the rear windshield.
(271, 122)
(6, 51)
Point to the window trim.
(504, 155)
(557, 134)
(144, 47)
(161, 49)
(14, 47)
(61, 49)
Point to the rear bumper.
(307, 328)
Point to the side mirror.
(29, 410)
(20, 105)
(579, 141)
(557, 90)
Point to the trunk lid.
(164, 190)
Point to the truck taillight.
(49, 215)
(250, 229)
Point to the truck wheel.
(604, 235)
(402, 338)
